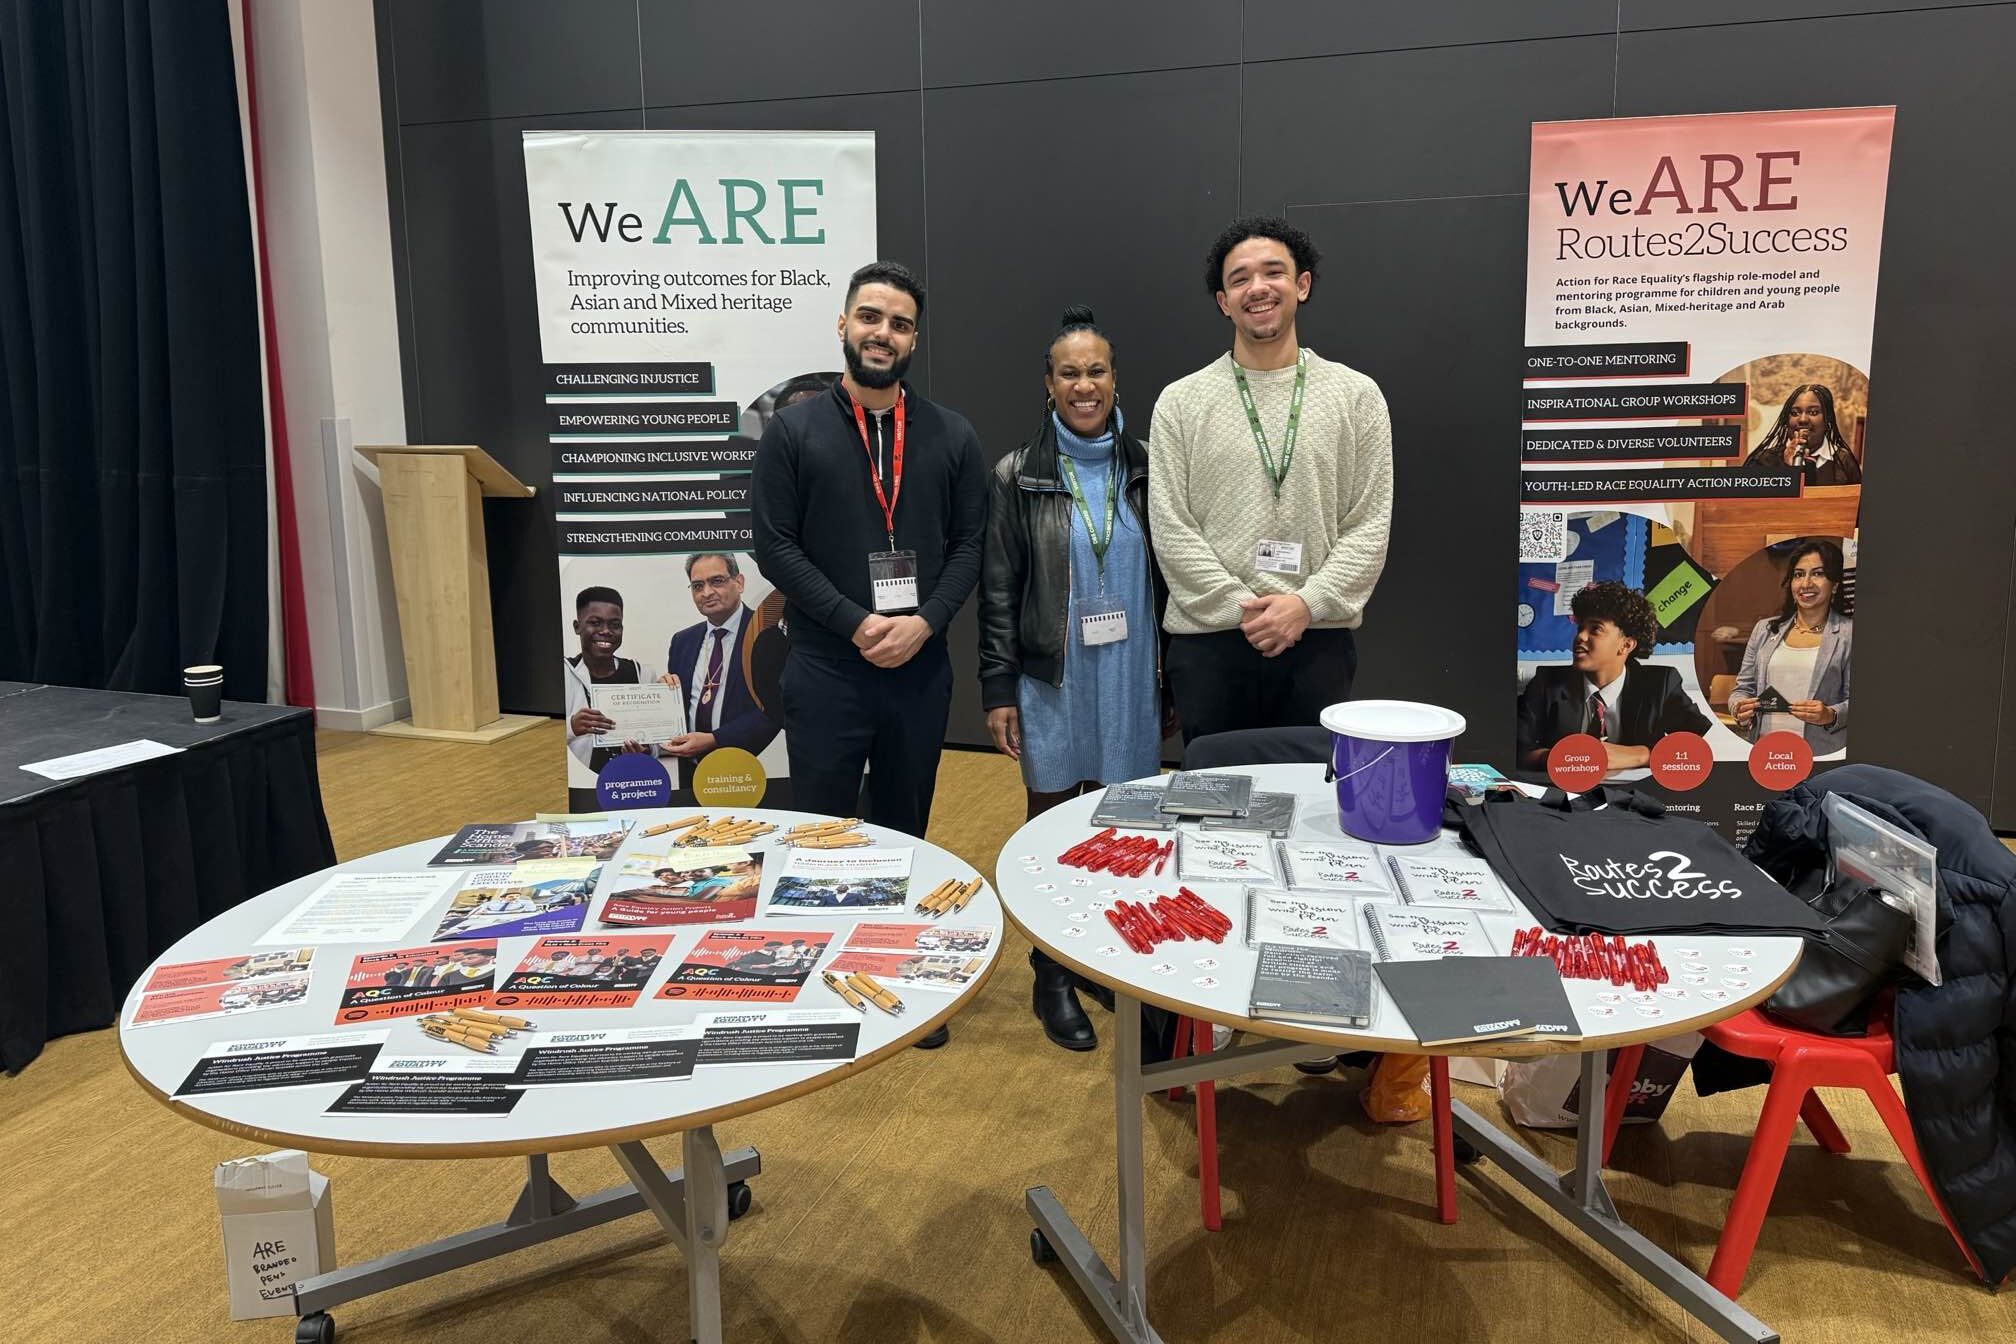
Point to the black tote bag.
(1612, 861)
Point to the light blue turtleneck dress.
(1105, 722)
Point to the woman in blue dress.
(1070, 610)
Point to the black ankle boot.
(1056, 1005)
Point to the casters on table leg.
(315, 1328)
(1466, 1152)
(1040, 1249)
(738, 1199)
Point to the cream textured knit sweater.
(1210, 502)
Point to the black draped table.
(99, 875)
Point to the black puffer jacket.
(1956, 1043)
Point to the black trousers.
(1222, 684)
(843, 714)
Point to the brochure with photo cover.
(1300, 917)
(593, 972)
(1315, 985)
(703, 885)
(1480, 998)
(1202, 793)
(1271, 814)
(1313, 866)
(1132, 807)
(184, 991)
(915, 956)
(410, 981)
(760, 964)
(1471, 782)
(1408, 933)
(492, 844)
(1224, 856)
(542, 896)
(1445, 880)
(844, 882)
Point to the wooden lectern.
(441, 574)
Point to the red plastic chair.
(1800, 1061)
(1193, 1036)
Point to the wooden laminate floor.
(890, 1207)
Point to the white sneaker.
(1220, 1036)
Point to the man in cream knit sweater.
(1270, 490)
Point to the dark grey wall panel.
(476, 341)
(1023, 223)
(1283, 29)
(985, 42)
(1638, 15)
(730, 53)
(896, 119)
(1439, 627)
(1450, 121)
(512, 58)
(1939, 496)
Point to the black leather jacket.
(1025, 571)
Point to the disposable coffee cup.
(205, 685)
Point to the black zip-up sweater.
(817, 522)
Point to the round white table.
(693, 1205)
(1061, 909)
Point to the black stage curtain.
(132, 438)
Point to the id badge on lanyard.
(1101, 620)
(892, 574)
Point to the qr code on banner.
(1543, 536)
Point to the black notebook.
(1198, 793)
(1458, 999)
(1317, 986)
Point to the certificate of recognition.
(650, 713)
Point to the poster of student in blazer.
(1700, 302)
(688, 287)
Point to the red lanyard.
(888, 502)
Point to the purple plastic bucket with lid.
(1392, 764)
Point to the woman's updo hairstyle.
(1078, 318)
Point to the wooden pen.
(667, 828)
(496, 1019)
(845, 991)
(967, 891)
(468, 1041)
(873, 991)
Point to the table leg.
(693, 1211)
(1121, 1302)
(543, 1212)
(1580, 1196)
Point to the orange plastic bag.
(1398, 1091)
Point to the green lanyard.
(1294, 419)
(1099, 543)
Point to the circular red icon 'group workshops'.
(1780, 760)
(1681, 761)
(1577, 763)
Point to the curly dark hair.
(1626, 608)
(893, 274)
(1307, 258)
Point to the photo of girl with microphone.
(1807, 437)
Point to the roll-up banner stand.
(688, 286)
(1700, 293)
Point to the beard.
(872, 378)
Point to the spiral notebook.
(1449, 880)
(1407, 933)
